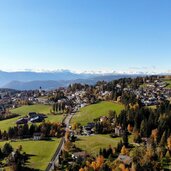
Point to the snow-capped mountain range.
(29, 79)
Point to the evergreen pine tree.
(125, 139)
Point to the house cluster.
(31, 96)
(32, 117)
(13, 98)
(101, 125)
(2, 110)
(153, 93)
(78, 98)
(88, 129)
(102, 95)
(5, 98)
(74, 98)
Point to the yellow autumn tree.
(74, 126)
(124, 151)
(149, 153)
(86, 168)
(167, 154)
(169, 143)
(134, 107)
(67, 133)
(94, 165)
(122, 167)
(67, 145)
(154, 134)
(88, 163)
(81, 169)
(99, 161)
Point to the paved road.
(67, 120)
(55, 157)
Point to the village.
(118, 122)
(149, 94)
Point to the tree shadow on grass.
(49, 139)
(27, 158)
(45, 139)
(79, 139)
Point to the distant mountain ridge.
(32, 85)
(7, 77)
(52, 84)
(25, 80)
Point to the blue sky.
(85, 35)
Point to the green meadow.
(88, 113)
(93, 143)
(24, 110)
(169, 83)
(40, 152)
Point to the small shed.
(37, 136)
(125, 159)
(81, 154)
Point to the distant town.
(149, 91)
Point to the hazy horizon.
(95, 72)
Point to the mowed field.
(88, 113)
(24, 110)
(93, 143)
(40, 152)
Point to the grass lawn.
(40, 108)
(24, 110)
(143, 85)
(93, 143)
(152, 107)
(41, 152)
(88, 113)
(55, 118)
(169, 82)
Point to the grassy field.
(41, 152)
(152, 107)
(169, 82)
(143, 85)
(92, 144)
(88, 113)
(24, 110)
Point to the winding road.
(55, 157)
